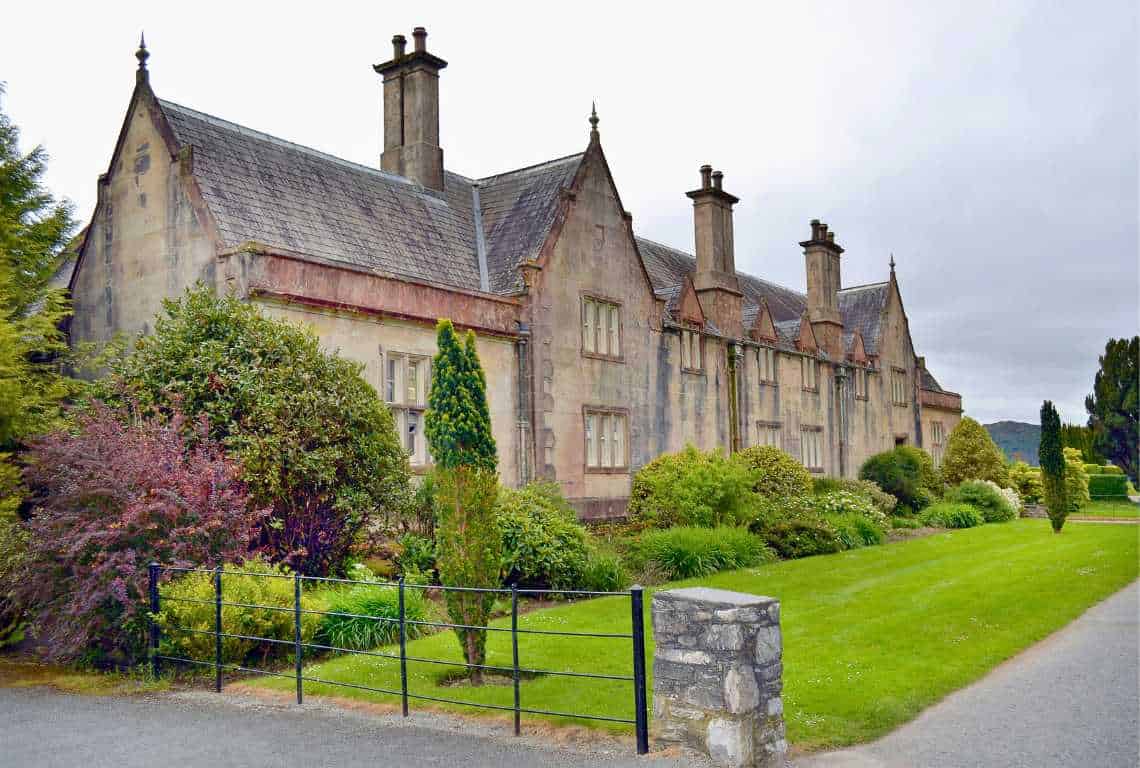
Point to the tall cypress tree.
(1051, 457)
(458, 428)
(1114, 405)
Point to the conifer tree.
(1051, 457)
(458, 428)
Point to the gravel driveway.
(1071, 700)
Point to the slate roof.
(929, 382)
(861, 308)
(283, 195)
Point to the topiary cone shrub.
(469, 543)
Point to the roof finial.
(593, 121)
(142, 54)
(892, 263)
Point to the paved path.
(40, 727)
(1071, 700)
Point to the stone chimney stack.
(821, 254)
(411, 112)
(715, 278)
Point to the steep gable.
(763, 329)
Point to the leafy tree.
(315, 443)
(1113, 406)
(109, 497)
(971, 454)
(1052, 460)
(458, 428)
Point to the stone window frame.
(393, 391)
(862, 373)
(601, 299)
(769, 426)
(808, 362)
(762, 350)
(605, 411)
(937, 442)
(687, 335)
(806, 430)
(899, 387)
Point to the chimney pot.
(420, 34)
(815, 229)
(831, 237)
(717, 179)
(399, 42)
(706, 174)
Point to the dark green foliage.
(381, 604)
(693, 487)
(907, 473)
(1051, 458)
(458, 421)
(952, 514)
(686, 552)
(1108, 487)
(985, 498)
(971, 454)
(1114, 405)
(802, 537)
(776, 475)
(417, 556)
(544, 545)
(605, 572)
(468, 539)
(261, 589)
(1080, 437)
(315, 443)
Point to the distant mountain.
(1017, 440)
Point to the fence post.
(636, 603)
(152, 625)
(297, 649)
(218, 628)
(515, 652)
(403, 653)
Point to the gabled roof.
(285, 196)
(861, 308)
(927, 381)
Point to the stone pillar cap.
(710, 595)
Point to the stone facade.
(718, 675)
(603, 349)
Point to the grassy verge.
(21, 672)
(871, 636)
(1109, 509)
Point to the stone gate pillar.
(718, 675)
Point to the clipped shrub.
(802, 537)
(952, 514)
(986, 498)
(971, 454)
(1108, 487)
(374, 619)
(775, 474)
(109, 497)
(854, 530)
(906, 472)
(605, 572)
(1094, 469)
(182, 623)
(1026, 481)
(686, 552)
(544, 545)
(1111, 469)
(693, 488)
(315, 443)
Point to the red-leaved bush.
(112, 496)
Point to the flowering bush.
(846, 502)
(109, 499)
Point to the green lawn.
(1109, 509)
(871, 636)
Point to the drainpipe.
(524, 412)
(841, 396)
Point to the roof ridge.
(531, 167)
(865, 285)
(285, 143)
(739, 273)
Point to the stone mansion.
(602, 348)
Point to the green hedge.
(1106, 486)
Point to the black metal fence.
(636, 639)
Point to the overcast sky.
(992, 147)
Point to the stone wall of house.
(146, 242)
(718, 675)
